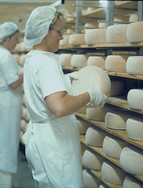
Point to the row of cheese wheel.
(115, 119)
(113, 63)
(120, 33)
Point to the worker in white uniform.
(10, 102)
(52, 140)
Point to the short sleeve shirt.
(43, 76)
(8, 68)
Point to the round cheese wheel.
(116, 33)
(91, 76)
(134, 65)
(94, 137)
(78, 60)
(133, 18)
(131, 160)
(102, 25)
(113, 147)
(65, 59)
(115, 63)
(97, 114)
(64, 41)
(90, 181)
(135, 99)
(116, 119)
(97, 61)
(77, 39)
(117, 88)
(134, 33)
(89, 25)
(92, 161)
(95, 36)
(131, 183)
(69, 31)
(112, 174)
(103, 186)
(23, 125)
(82, 126)
(134, 128)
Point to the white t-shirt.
(43, 76)
(8, 68)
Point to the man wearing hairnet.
(10, 102)
(52, 139)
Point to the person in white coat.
(52, 139)
(10, 102)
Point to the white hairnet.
(7, 29)
(37, 25)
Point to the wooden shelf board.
(118, 133)
(125, 75)
(122, 103)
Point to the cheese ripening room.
(71, 94)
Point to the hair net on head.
(7, 29)
(37, 25)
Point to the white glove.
(97, 98)
(73, 75)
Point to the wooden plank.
(122, 103)
(118, 133)
(125, 75)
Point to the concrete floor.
(23, 177)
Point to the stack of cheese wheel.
(91, 76)
(65, 41)
(117, 119)
(131, 160)
(133, 18)
(78, 60)
(65, 60)
(90, 181)
(98, 114)
(135, 99)
(23, 125)
(134, 128)
(77, 39)
(94, 137)
(112, 147)
(82, 126)
(96, 61)
(115, 63)
(117, 88)
(95, 36)
(134, 33)
(134, 65)
(112, 174)
(116, 33)
(92, 161)
(130, 182)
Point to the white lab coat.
(10, 112)
(52, 143)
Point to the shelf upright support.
(110, 13)
(140, 11)
(78, 22)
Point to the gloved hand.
(97, 98)
(73, 75)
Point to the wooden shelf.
(117, 133)
(100, 13)
(122, 103)
(100, 151)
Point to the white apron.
(10, 116)
(56, 162)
